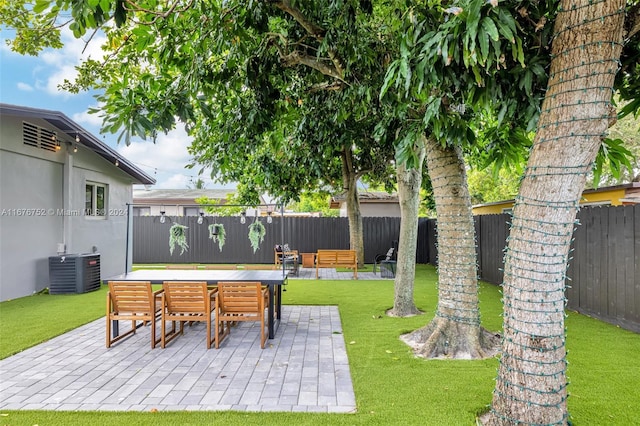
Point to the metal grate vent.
(38, 137)
(74, 273)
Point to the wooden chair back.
(221, 267)
(182, 298)
(181, 266)
(260, 267)
(241, 301)
(133, 301)
(186, 301)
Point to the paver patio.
(304, 368)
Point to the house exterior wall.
(26, 241)
(494, 208)
(612, 197)
(372, 209)
(108, 234)
(42, 200)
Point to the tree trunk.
(455, 331)
(531, 383)
(350, 187)
(409, 182)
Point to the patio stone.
(303, 369)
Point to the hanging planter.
(178, 237)
(217, 234)
(256, 234)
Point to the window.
(142, 211)
(191, 211)
(95, 200)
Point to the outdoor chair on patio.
(186, 302)
(382, 258)
(134, 301)
(218, 267)
(240, 301)
(263, 267)
(181, 266)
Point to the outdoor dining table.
(274, 280)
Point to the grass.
(391, 386)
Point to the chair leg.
(153, 334)
(209, 331)
(108, 332)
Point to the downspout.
(67, 200)
(128, 262)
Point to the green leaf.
(41, 6)
(484, 46)
(490, 28)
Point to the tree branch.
(296, 58)
(158, 15)
(310, 27)
(317, 32)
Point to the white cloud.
(86, 119)
(175, 182)
(165, 160)
(61, 63)
(25, 87)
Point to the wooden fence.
(604, 273)
(603, 278)
(307, 235)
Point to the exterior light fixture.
(201, 218)
(54, 138)
(269, 218)
(163, 219)
(243, 217)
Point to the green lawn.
(391, 386)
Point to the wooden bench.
(337, 258)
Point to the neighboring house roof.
(64, 124)
(365, 197)
(628, 193)
(177, 196)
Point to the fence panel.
(307, 235)
(603, 277)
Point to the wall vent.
(38, 137)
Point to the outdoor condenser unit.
(74, 273)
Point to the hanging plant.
(217, 234)
(178, 237)
(256, 234)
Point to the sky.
(33, 82)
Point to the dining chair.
(263, 267)
(221, 267)
(186, 301)
(134, 301)
(181, 266)
(240, 301)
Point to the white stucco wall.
(26, 241)
(108, 235)
(33, 178)
(370, 209)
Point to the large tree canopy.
(280, 96)
(263, 85)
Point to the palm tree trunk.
(531, 383)
(409, 182)
(455, 331)
(354, 215)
